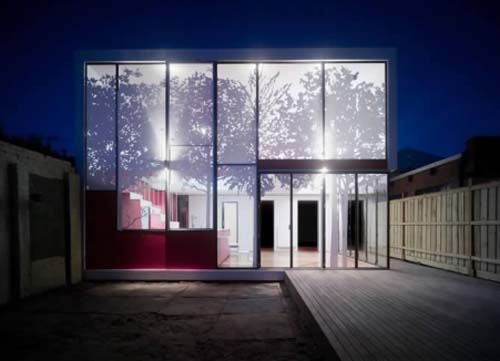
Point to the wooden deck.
(410, 312)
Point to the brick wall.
(444, 176)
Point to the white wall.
(198, 212)
(246, 220)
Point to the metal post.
(257, 175)
(356, 222)
(214, 159)
(167, 146)
(117, 148)
(376, 221)
(291, 220)
(323, 222)
(387, 223)
(323, 105)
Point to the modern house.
(475, 165)
(258, 159)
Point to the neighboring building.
(477, 164)
(409, 159)
(236, 158)
(40, 225)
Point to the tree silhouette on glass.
(288, 123)
(355, 115)
(141, 117)
(287, 129)
(100, 132)
(191, 131)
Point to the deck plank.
(411, 312)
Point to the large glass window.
(236, 118)
(368, 209)
(275, 221)
(335, 110)
(356, 220)
(340, 197)
(141, 146)
(101, 127)
(290, 111)
(382, 204)
(307, 220)
(190, 146)
(236, 222)
(355, 109)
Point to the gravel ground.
(157, 321)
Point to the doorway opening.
(267, 224)
(308, 225)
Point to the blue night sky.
(449, 54)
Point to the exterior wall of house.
(32, 263)
(109, 248)
(147, 142)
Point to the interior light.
(324, 170)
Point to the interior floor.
(303, 257)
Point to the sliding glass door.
(275, 220)
(314, 220)
(307, 220)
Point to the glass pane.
(382, 204)
(307, 217)
(275, 220)
(369, 187)
(236, 187)
(191, 104)
(340, 194)
(101, 127)
(190, 187)
(355, 108)
(236, 104)
(191, 146)
(290, 116)
(141, 145)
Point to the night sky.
(448, 70)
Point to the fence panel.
(457, 230)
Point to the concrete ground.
(157, 321)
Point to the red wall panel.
(108, 248)
(191, 249)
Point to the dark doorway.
(351, 225)
(183, 210)
(267, 224)
(308, 223)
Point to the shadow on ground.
(158, 321)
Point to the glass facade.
(355, 111)
(290, 115)
(193, 146)
(141, 145)
(101, 127)
(275, 220)
(236, 222)
(236, 118)
(190, 144)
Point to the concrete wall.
(20, 276)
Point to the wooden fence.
(456, 230)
